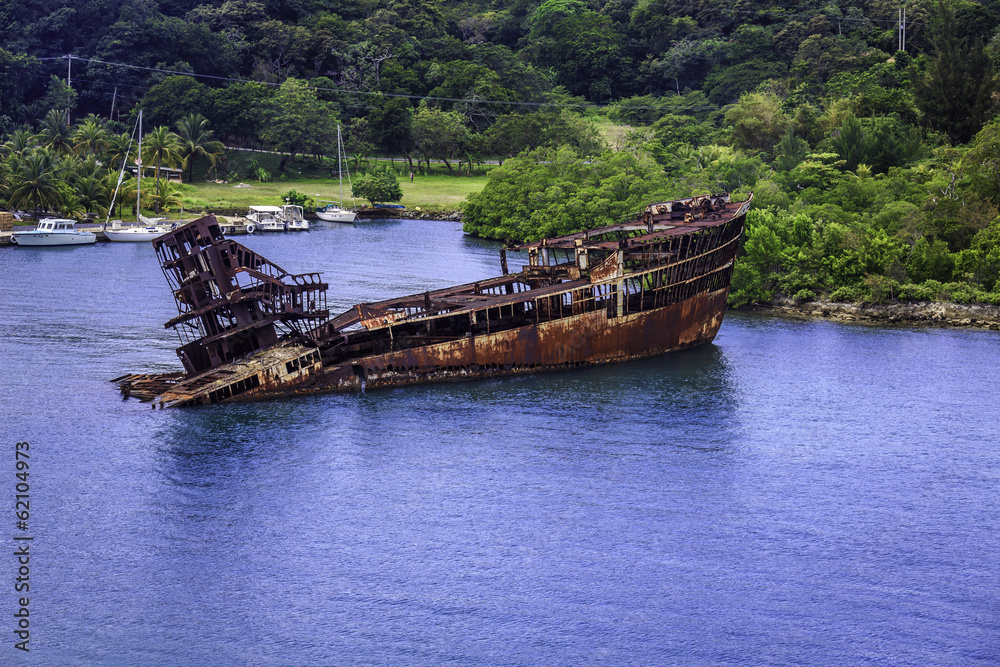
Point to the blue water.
(796, 493)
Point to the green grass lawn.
(437, 190)
(434, 192)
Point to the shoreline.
(921, 313)
(404, 214)
(408, 214)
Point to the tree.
(92, 193)
(554, 191)
(514, 133)
(169, 197)
(469, 83)
(60, 97)
(757, 121)
(90, 138)
(582, 46)
(196, 140)
(656, 22)
(726, 83)
(378, 186)
(792, 150)
(983, 162)
(239, 111)
(851, 144)
(438, 134)
(389, 126)
(173, 98)
(17, 70)
(20, 141)
(298, 121)
(161, 148)
(957, 93)
(35, 182)
(119, 146)
(55, 133)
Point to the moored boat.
(264, 219)
(285, 218)
(135, 233)
(54, 232)
(293, 218)
(335, 212)
(144, 229)
(652, 284)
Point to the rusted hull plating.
(584, 340)
(653, 285)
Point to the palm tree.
(161, 147)
(92, 192)
(20, 141)
(118, 147)
(125, 190)
(55, 134)
(169, 197)
(36, 182)
(29, 114)
(196, 139)
(71, 206)
(126, 197)
(84, 168)
(90, 138)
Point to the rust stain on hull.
(653, 284)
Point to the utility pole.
(114, 97)
(901, 30)
(69, 82)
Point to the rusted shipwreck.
(250, 330)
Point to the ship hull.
(589, 339)
(642, 288)
(571, 342)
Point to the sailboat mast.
(340, 170)
(138, 178)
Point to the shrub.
(379, 185)
(848, 294)
(804, 295)
(299, 199)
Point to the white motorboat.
(335, 212)
(264, 219)
(52, 232)
(294, 218)
(276, 219)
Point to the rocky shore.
(982, 316)
(409, 214)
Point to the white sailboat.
(146, 229)
(334, 211)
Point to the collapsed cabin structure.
(249, 330)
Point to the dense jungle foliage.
(875, 164)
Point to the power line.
(765, 9)
(324, 89)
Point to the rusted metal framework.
(650, 285)
(231, 301)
